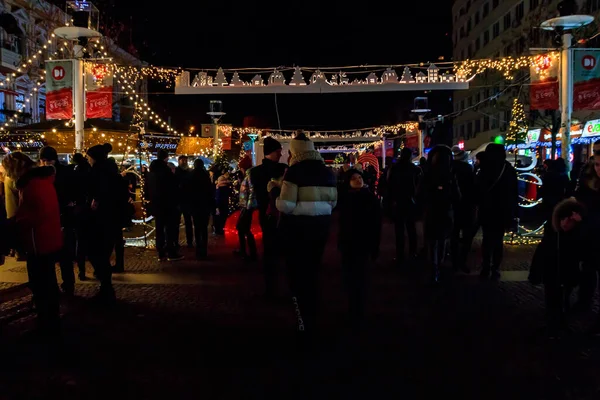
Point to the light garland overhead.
(507, 65)
(367, 133)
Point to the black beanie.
(99, 152)
(48, 153)
(162, 154)
(270, 145)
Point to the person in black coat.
(498, 201)
(260, 177)
(108, 204)
(164, 206)
(358, 240)
(464, 214)
(201, 194)
(561, 251)
(182, 174)
(402, 182)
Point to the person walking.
(361, 212)
(39, 226)
(260, 176)
(64, 184)
(308, 197)
(402, 182)
(498, 202)
(202, 203)
(182, 174)
(107, 198)
(163, 204)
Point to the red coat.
(38, 215)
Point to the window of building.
(520, 11)
(534, 36)
(495, 3)
(469, 130)
(42, 109)
(508, 50)
(477, 17)
(477, 44)
(533, 4)
(507, 21)
(477, 98)
(486, 123)
(469, 25)
(477, 126)
(494, 122)
(462, 55)
(470, 102)
(462, 130)
(486, 37)
(486, 9)
(496, 30)
(20, 102)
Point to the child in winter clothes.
(564, 248)
(359, 239)
(244, 226)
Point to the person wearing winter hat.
(64, 184)
(308, 197)
(259, 178)
(108, 199)
(162, 193)
(464, 214)
(499, 199)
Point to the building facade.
(26, 41)
(495, 29)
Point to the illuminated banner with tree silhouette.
(59, 90)
(99, 91)
(543, 91)
(586, 80)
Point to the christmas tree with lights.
(517, 129)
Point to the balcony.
(9, 60)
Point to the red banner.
(59, 90)
(99, 103)
(586, 80)
(544, 90)
(544, 95)
(98, 97)
(411, 141)
(59, 104)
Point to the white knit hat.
(301, 144)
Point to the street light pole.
(565, 24)
(566, 95)
(78, 97)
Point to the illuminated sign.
(533, 136)
(591, 128)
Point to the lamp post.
(216, 113)
(565, 24)
(253, 137)
(84, 21)
(421, 109)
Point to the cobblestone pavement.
(219, 339)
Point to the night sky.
(212, 34)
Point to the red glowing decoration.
(461, 144)
(231, 236)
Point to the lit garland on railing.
(367, 133)
(507, 65)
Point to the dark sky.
(211, 34)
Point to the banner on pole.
(99, 91)
(544, 90)
(59, 89)
(586, 80)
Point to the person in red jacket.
(39, 227)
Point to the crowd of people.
(66, 214)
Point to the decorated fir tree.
(517, 129)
